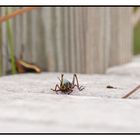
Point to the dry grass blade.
(11, 43)
(15, 13)
(131, 92)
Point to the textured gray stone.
(28, 105)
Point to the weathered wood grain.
(121, 35)
(49, 27)
(95, 47)
(74, 39)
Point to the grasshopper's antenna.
(59, 79)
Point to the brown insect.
(67, 86)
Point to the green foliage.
(11, 44)
(0, 50)
(135, 9)
(137, 39)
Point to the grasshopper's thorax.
(65, 85)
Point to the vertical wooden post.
(73, 39)
(95, 42)
(59, 32)
(17, 29)
(67, 61)
(121, 35)
(40, 41)
(50, 37)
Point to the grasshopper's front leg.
(57, 86)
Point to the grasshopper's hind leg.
(77, 83)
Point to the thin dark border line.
(70, 5)
(69, 133)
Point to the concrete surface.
(28, 105)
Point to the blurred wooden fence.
(71, 39)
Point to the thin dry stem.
(131, 92)
(15, 13)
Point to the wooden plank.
(121, 36)
(59, 38)
(28, 49)
(40, 48)
(24, 34)
(17, 32)
(34, 35)
(49, 27)
(106, 38)
(66, 40)
(126, 36)
(77, 19)
(95, 41)
(73, 39)
(84, 17)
